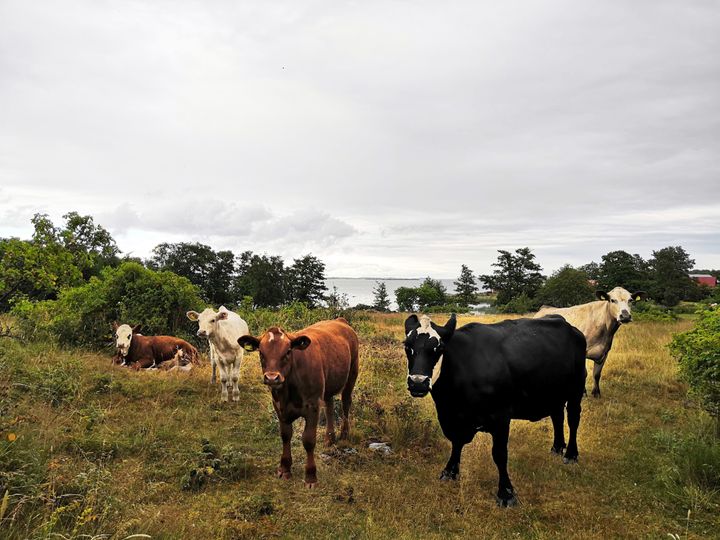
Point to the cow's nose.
(418, 379)
(201, 333)
(272, 377)
(625, 316)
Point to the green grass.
(104, 450)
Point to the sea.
(360, 290)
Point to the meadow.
(94, 450)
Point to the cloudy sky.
(396, 138)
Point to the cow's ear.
(222, 316)
(193, 315)
(446, 332)
(639, 295)
(249, 343)
(411, 323)
(602, 295)
(300, 343)
(136, 328)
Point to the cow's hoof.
(570, 460)
(557, 450)
(284, 475)
(311, 484)
(507, 503)
(447, 476)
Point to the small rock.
(383, 448)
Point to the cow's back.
(587, 318)
(524, 367)
(333, 352)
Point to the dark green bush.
(698, 351)
(129, 293)
(650, 311)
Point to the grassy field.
(100, 449)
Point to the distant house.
(704, 279)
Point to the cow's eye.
(613, 301)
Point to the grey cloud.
(446, 128)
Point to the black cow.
(491, 373)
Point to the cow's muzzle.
(625, 317)
(418, 385)
(273, 378)
(202, 333)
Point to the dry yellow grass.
(150, 424)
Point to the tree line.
(58, 257)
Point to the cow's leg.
(559, 431)
(213, 364)
(309, 437)
(235, 377)
(347, 400)
(452, 469)
(506, 493)
(573, 414)
(284, 470)
(224, 380)
(329, 420)
(597, 370)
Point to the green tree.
(566, 287)
(212, 271)
(92, 246)
(406, 298)
(430, 293)
(466, 288)
(514, 275)
(306, 280)
(263, 278)
(381, 299)
(669, 269)
(592, 269)
(31, 271)
(621, 269)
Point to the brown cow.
(140, 351)
(302, 369)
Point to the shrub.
(650, 311)
(698, 352)
(129, 293)
(520, 304)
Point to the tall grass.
(102, 450)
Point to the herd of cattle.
(481, 376)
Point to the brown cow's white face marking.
(620, 302)
(123, 337)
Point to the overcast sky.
(398, 138)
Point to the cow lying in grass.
(139, 352)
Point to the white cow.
(222, 329)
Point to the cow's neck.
(132, 349)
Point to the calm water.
(360, 290)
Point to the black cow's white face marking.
(423, 348)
